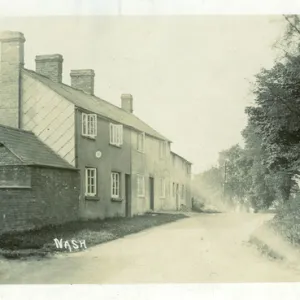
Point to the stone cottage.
(125, 165)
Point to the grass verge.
(280, 236)
(40, 242)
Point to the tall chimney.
(50, 65)
(11, 63)
(127, 102)
(83, 80)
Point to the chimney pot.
(83, 80)
(50, 65)
(127, 102)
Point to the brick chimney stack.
(50, 65)
(127, 102)
(11, 63)
(83, 80)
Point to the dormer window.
(89, 125)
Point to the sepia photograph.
(149, 148)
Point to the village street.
(202, 248)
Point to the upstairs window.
(141, 142)
(89, 125)
(173, 160)
(115, 185)
(174, 190)
(182, 192)
(187, 169)
(90, 181)
(162, 149)
(162, 188)
(116, 134)
(140, 185)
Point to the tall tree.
(237, 179)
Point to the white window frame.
(89, 125)
(162, 188)
(115, 184)
(90, 181)
(140, 185)
(141, 142)
(173, 188)
(173, 161)
(116, 134)
(163, 149)
(182, 192)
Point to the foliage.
(265, 170)
(289, 42)
(208, 186)
(276, 121)
(237, 180)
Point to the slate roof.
(29, 149)
(96, 105)
(173, 153)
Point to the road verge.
(77, 236)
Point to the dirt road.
(203, 248)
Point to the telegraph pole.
(224, 183)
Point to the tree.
(208, 186)
(236, 165)
(289, 42)
(275, 118)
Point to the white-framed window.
(173, 160)
(182, 192)
(90, 181)
(162, 188)
(140, 185)
(141, 142)
(162, 149)
(115, 185)
(174, 189)
(89, 125)
(116, 134)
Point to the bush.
(287, 221)
(197, 206)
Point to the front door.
(151, 190)
(127, 195)
(177, 196)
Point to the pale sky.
(188, 74)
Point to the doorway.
(151, 190)
(127, 195)
(177, 195)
